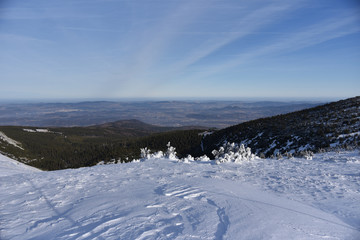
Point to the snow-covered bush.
(289, 155)
(203, 158)
(321, 150)
(146, 154)
(308, 155)
(170, 153)
(188, 159)
(232, 152)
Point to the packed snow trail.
(166, 199)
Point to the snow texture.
(10, 167)
(161, 198)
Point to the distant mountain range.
(218, 114)
(331, 125)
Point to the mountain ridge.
(335, 124)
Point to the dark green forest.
(62, 148)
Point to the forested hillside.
(332, 125)
(59, 148)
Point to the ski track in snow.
(165, 199)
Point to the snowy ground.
(10, 167)
(166, 199)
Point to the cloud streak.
(143, 64)
(22, 38)
(317, 33)
(154, 41)
(248, 24)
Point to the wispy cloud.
(310, 36)
(249, 23)
(87, 29)
(22, 38)
(32, 13)
(153, 42)
(161, 36)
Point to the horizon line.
(180, 99)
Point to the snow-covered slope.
(166, 199)
(9, 167)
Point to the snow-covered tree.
(308, 155)
(145, 153)
(171, 153)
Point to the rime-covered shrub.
(308, 155)
(232, 152)
(188, 159)
(203, 158)
(170, 152)
(321, 150)
(289, 155)
(146, 154)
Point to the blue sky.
(106, 49)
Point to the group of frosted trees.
(229, 152)
(170, 153)
(232, 152)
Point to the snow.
(206, 133)
(159, 198)
(304, 148)
(42, 130)
(29, 130)
(10, 167)
(10, 141)
(39, 130)
(349, 134)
